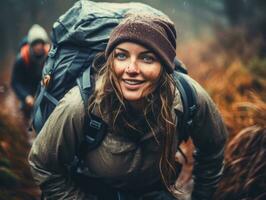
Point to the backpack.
(77, 36)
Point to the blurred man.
(28, 66)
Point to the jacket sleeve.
(209, 137)
(18, 75)
(56, 146)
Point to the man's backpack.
(77, 36)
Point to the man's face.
(38, 48)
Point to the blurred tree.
(251, 15)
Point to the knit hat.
(37, 33)
(156, 33)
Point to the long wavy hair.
(157, 112)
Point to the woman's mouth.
(132, 83)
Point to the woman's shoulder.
(199, 92)
(72, 100)
(69, 111)
(202, 97)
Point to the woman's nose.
(132, 66)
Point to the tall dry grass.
(245, 165)
(230, 70)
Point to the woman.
(136, 97)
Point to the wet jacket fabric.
(120, 161)
(27, 74)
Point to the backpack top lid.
(90, 23)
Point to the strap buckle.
(95, 124)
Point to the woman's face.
(137, 70)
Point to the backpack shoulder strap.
(25, 54)
(94, 127)
(179, 66)
(189, 103)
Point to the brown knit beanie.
(156, 33)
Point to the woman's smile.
(132, 83)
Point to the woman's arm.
(56, 146)
(209, 137)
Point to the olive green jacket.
(119, 161)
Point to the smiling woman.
(137, 70)
(136, 97)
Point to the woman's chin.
(132, 98)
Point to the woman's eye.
(148, 59)
(120, 56)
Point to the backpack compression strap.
(189, 105)
(38, 120)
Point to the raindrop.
(173, 10)
(186, 4)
